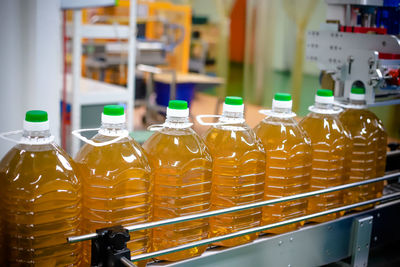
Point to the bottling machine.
(359, 45)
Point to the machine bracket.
(361, 242)
(109, 247)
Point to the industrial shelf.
(88, 92)
(94, 92)
(101, 31)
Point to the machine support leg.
(362, 228)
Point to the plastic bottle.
(367, 157)
(288, 163)
(40, 199)
(238, 172)
(2, 230)
(117, 181)
(329, 142)
(182, 182)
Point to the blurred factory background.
(72, 57)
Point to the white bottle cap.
(113, 114)
(178, 108)
(36, 120)
(282, 100)
(324, 96)
(357, 93)
(233, 104)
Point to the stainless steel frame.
(330, 242)
(361, 240)
(312, 245)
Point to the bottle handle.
(158, 127)
(265, 112)
(4, 136)
(25, 140)
(269, 112)
(155, 127)
(200, 120)
(77, 134)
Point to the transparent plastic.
(40, 204)
(2, 255)
(288, 167)
(367, 156)
(238, 176)
(329, 142)
(117, 187)
(182, 185)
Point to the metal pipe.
(127, 262)
(260, 228)
(150, 225)
(74, 239)
(254, 205)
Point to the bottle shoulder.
(176, 149)
(222, 140)
(327, 126)
(361, 122)
(284, 138)
(37, 167)
(280, 130)
(125, 153)
(361, 114)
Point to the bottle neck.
(113, 129)
(358, 102)
(281, 110)
(234, 117)
(33, 137)
(323, 105)
(177, 120)
(36, 134)
(113, 126)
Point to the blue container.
(184, 91)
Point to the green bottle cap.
(177, 104)
(113, 110)
(36, 116)
(282, 97)
(234, 100)
(358, 90)
(324, 92)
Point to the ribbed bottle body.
(288, 167)
(329, 143)
(182, 186)
(41, 205)
(237, 179)
(117, 190)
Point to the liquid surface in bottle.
(288, 167)
(367, 156)
(238, 179)
(329, 142)
(117, 190)
(182, 186)
(41, 205)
